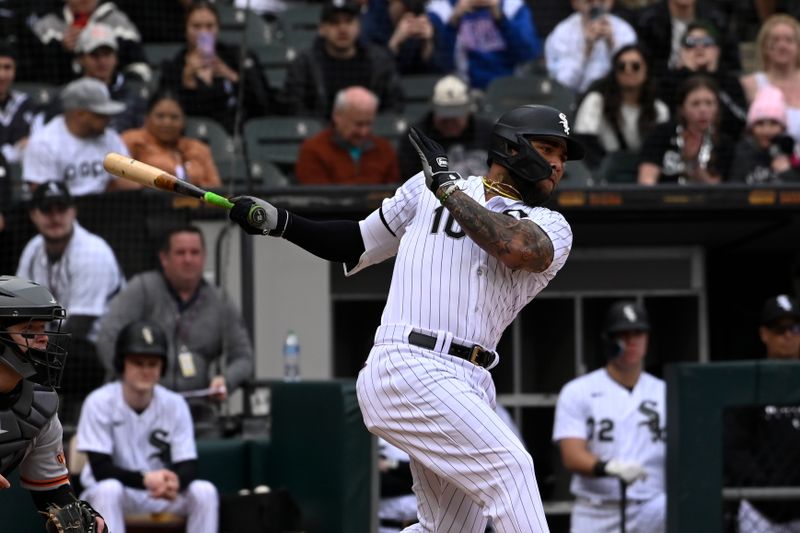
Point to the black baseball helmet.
(23, 301)
(626, 315)
(142, 337)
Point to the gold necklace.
(502, 189)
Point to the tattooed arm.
(519, 244)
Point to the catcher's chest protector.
(20, 423)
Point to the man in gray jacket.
(209, 347)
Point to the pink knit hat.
(769, 104)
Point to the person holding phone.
(579, 49)
(206, 74)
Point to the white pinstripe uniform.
(467, 464)
(135, 441)
(616, 424)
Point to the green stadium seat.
(577, 174)
(298, 24)
(277, 139)
(619, 167)
(509, 92)
(390, 126)
(213, 134)
(157, 53)
(267, 174)
(418, 88)
(41, 94)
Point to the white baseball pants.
(641, 517)
(467, 464)
(199, 503)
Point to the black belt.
(475, 354)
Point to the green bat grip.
(216, 199)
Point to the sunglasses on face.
(780, 329)
(694, 42)
(635, 66)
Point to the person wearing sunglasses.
(620, 109)
(762, 440)
(700, 53)
(80, 269)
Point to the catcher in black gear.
(32, 355)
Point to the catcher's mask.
(26, 303)
(142, 337)
(511, 147)
(622, 316)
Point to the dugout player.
(610, 427)
(471, 253)
(140, 442)
(31, 362)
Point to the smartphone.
(595, 12)
(206, 44)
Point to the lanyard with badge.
(182, 322)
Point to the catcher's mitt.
(76, 517)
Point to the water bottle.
(291, 357)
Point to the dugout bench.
(318, 449)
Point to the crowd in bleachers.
(659, 91)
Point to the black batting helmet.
(25, 301)
(624, 315)
(142, 337)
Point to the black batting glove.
(438, 177)
(258, 217)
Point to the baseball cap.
(626, 315)
(334, 7)
(451, 97)
(51, 193)
(778, 307)
(95, 36)
(91, 94)
(769, 104)
(8, 49)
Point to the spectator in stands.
(766, 8)
(202, 324)
(81, 271)
(72, 146)
(403, 27)
(266, 9)
(206, 74)
(161, 143)
(778, 48)
(662, 26)
(689, 148)
(96, 55)
(16, 109)
(700, 53)
(620, 109)
(138, 436)
(452, 123)
(484, 39)
(348, 152)
(58, 34)
(338, 59)
(761, 441)
(610, 428)
(580, 48)
(766, 154)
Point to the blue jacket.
(480, 48)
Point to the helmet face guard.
(527, 166)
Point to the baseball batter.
(470, 253)
(31, 361)
(139, 440)
(610, 428)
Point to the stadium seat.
(157, 53)
(213, 134)
(267, 175)
(390, 126)
(577, 174)
(278, 139)
(298, 24)
(418, 88)
(508, 92)
(41, 94)
(619, 167)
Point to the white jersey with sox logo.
(467, 464)
(616, 423)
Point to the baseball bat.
(155, 178)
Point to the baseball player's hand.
(256, 216)
(438, 177)
(627, 471)
(75, 517)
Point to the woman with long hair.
(161, 143)
(690, 148)
(206, 73)
(778, 46)
(620, 109)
